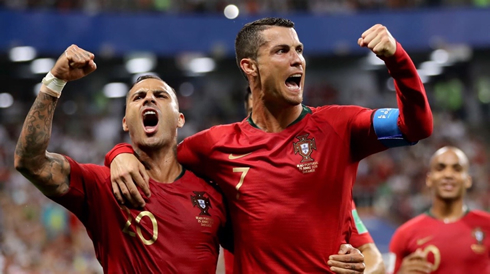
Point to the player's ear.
(468, 182)
(181, 120)
(428, 180)
(124, 125)
(249, 66)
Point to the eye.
(137, 97)
(299, 50)
(458, 168)
(440, 167)
(161, 95)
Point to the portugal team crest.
(201, 202)
(479, 236)
(305, 147)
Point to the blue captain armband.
(385, 123)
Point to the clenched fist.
(74, 64)
(379, 40)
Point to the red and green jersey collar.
(305, 111)
(466, 211)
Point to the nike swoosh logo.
(233, 157)
(424, 240)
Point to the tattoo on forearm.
(36, 131)
(38, 166)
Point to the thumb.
(344, 249)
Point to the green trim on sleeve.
(361, 228)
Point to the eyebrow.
(156, 91)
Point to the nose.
(296, 59)
(448, 172)
(149, 98)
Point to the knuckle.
(133, 191)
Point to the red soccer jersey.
(459, 247)
(289, 192)
(176, 232)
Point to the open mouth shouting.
(150, 120)
(293, 82)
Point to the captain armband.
(385, 123)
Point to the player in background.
(288, 170)
(449, 237)
(177, 231)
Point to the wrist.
(52, 85)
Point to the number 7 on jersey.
(244, 171)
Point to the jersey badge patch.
(304, 147)
(479, 235)
(201, 202)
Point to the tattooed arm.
(49, 172)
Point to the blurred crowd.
(250, 7)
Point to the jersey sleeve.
(360, 235)
(194, 153)
(116, 150)
(415, 117)
(83, 177)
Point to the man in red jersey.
(360, 238)
(287, 170)
(448, 238)
(177, 231)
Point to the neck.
(273, 118)
(161, 164)
(448, 211)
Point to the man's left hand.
(349, 260)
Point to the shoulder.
(328, 109)
(479, 214)
(87, 169)
(338, 113)
(213, 133)
(412, 224)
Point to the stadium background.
(190, 45)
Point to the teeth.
(295, 75)
(149, 112)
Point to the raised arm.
(392, 127)
(49, 172)
(415, 117)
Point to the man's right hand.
(127, 174)
(415, 263)
(74, 64)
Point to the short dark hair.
(249, 38)
(150, 76)
(144, 77)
